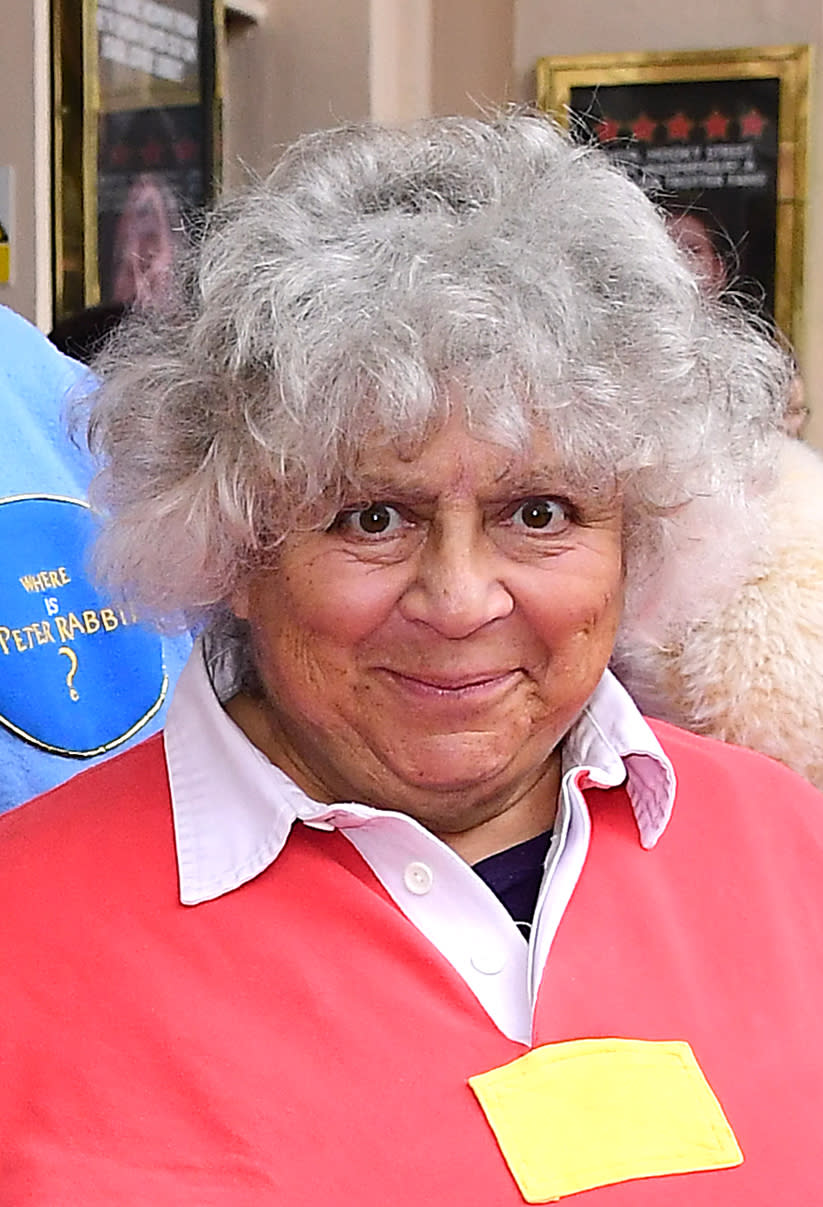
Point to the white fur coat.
(751, 671)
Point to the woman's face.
(693, 236)
(428, 652)
(144, 244)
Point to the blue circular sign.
(78, 675)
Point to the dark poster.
(707, 152)
(150, 180)
(153, 147)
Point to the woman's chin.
(453, 764)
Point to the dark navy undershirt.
(515, 876)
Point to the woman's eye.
(378, 519)
(541, 515)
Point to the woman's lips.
(473, 685)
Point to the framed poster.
(136, 143)
(718, 139)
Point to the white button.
(418, 879)
(489, 959)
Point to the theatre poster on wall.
(136, 143)
(718, 139)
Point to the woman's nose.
(456, 588)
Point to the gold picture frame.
(741, 142)
(88, 110)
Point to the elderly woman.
(410, 903)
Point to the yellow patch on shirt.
(591, 1112)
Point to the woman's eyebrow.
(541, 479)
(370, 490)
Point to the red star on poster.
(119, 155)
(752, 124)
(716, 126)
(186, 149)
(643, 129)
(679, 127)
(607, 129)
(152, 153)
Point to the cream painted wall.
(25, 146)
(309, 65)
(304, 66)
(400, 67)
(472, 54)
(544, 27)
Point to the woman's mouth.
(463, 686)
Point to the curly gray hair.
(336, 302)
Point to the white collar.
(233, 809)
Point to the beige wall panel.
(24, 145)
(546, 27)
(472, 54)
(305, 67)
(400, 61)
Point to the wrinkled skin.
(428, 652)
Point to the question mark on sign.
(72, 657)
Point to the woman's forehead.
(454, 459)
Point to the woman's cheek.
(345, 599)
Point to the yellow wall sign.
(6, 218)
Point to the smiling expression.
(428, 651)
